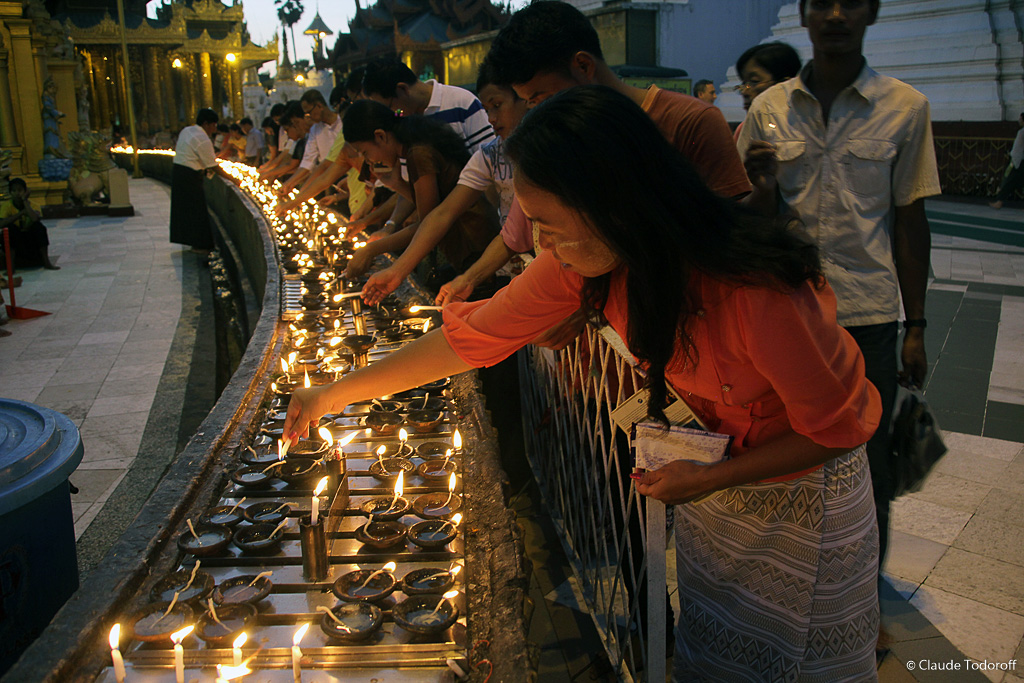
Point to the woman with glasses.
(777, 546)
(761, 67)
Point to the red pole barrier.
(12, 309)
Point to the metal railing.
(614, 539)
(972, 166)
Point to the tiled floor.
(98, 357)
(956, 552)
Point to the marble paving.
(98, 357)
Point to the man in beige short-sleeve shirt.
(855, 160)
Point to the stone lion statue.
(88, 182)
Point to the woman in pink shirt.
(777, 559)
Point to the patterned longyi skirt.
(778, 581)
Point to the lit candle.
(179, 653)
(297, 653)
(457, 441)
(326, 435)
(399, 487)
(389, 567)
(236, 648)
(230, 673)
(316, 499)
(445, 598)
(115, 653)
(381, 450)
(417, 309)
(403, 436)
(305, 382)
(451, 490)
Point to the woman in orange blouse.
(777, 566)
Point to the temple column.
(206, 78)
(154, 91)
(94, 106)
(102, 90)
(237, 103)
(8, 133)
(27, 117)
(167, 88)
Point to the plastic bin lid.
(39, 448)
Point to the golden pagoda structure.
(196, 53)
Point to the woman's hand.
(381, 284)
(676, 483)
(359, 263)
(305, 409)
(458, 289)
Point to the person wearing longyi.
(733, 312)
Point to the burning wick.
(316, 500)
(179, 652)
(389, 567)
(399, 487)
(445, 598)
(447, 457)
(327, 610)
(403, 436)
(236, 648)
(305, 382)
(115, 653)
(451, 492)
(417, 309)
(455, 569)
(457, 441)
(297, 653)
(230, 673)
(380, 456)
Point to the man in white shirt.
(855, 161)
(193, 156)
(394, 85)
(326, 126)
(255, 144)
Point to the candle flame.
(335, 340)
(347, 440)
(382, 450)
(456, 518)
(337, 323)
(390, 567)
(240, 641)
(291, 357)
(284, 366)
(399, 485)
(228, 673)
(414, 309)
(305, 382)
(403, 435)
(273, 387)
(320, 486)
(451, 594)
(297, 638)
(325, 434)
(336, 298)
(457, 439)
(115, 636)
(455, 569)
(179, 636)
(451, 482)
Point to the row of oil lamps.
(309, 230)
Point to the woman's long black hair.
(363, 117)
(601, 155)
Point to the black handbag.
(916, 441)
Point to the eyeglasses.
(752, 85)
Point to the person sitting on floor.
(29, 241)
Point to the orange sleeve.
(811, 362)
(483, 333)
